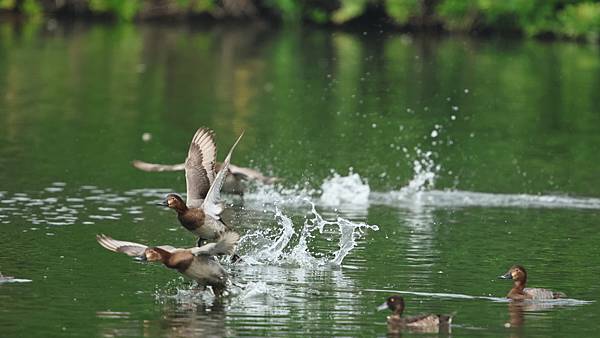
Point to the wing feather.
(200, 166)
(224, 246)
(212, 203)
(128, 248)
(153, 167)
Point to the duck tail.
(558, 294)
(227, 242)
(446, 319)
(224, 246)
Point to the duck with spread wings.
(197, 263)
(201, 213)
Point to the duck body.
(197, 263)
(195, 220)
(426, 323)
(205, 270)
(519, 292)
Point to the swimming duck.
(429, 323)
(201, 213)
(5, 279)
(520, 292)
(197, 263)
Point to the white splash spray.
(291, 247)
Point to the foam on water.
(339, 190)
(351, 194)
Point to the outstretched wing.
(200, 166)
(224, 246)
(152, 167)
(128, 248)
(251, 174)
(212, 203)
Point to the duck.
(5, 279)
(235, 180)
(520, 292)
(201, 213)
(197, 263)
(428, 323)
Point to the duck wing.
(224, 246)
(251, 174)
(422, 320)
(128, 248)
(200, 166)
(212, 205)
(155, 167)
(539, 293)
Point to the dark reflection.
(516, 318)
(517, 313)
(191, 319)
(185, 315)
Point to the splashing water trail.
(291, 247)
(425, 172)
(340, 190)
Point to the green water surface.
(516, 120)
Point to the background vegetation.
(578, 19)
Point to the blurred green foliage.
(563, 18)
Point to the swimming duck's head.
(517, 273)
(394, 303)
(173, 201)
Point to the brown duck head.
(175, 202)
(516, 273)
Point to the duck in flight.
(201, 213)
(198, 263)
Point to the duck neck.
(181, 208)
(519, 284)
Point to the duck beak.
(163, 203)
(508, 275)
(382, 307)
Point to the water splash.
(291, 247)
(340, 190)
(425, 172)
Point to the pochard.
(197, 263)
(201, 213)
(519, 292)
(428, 323)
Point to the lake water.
(417, 165)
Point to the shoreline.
(360, 24)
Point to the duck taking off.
(196, 263)
(201, 213)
